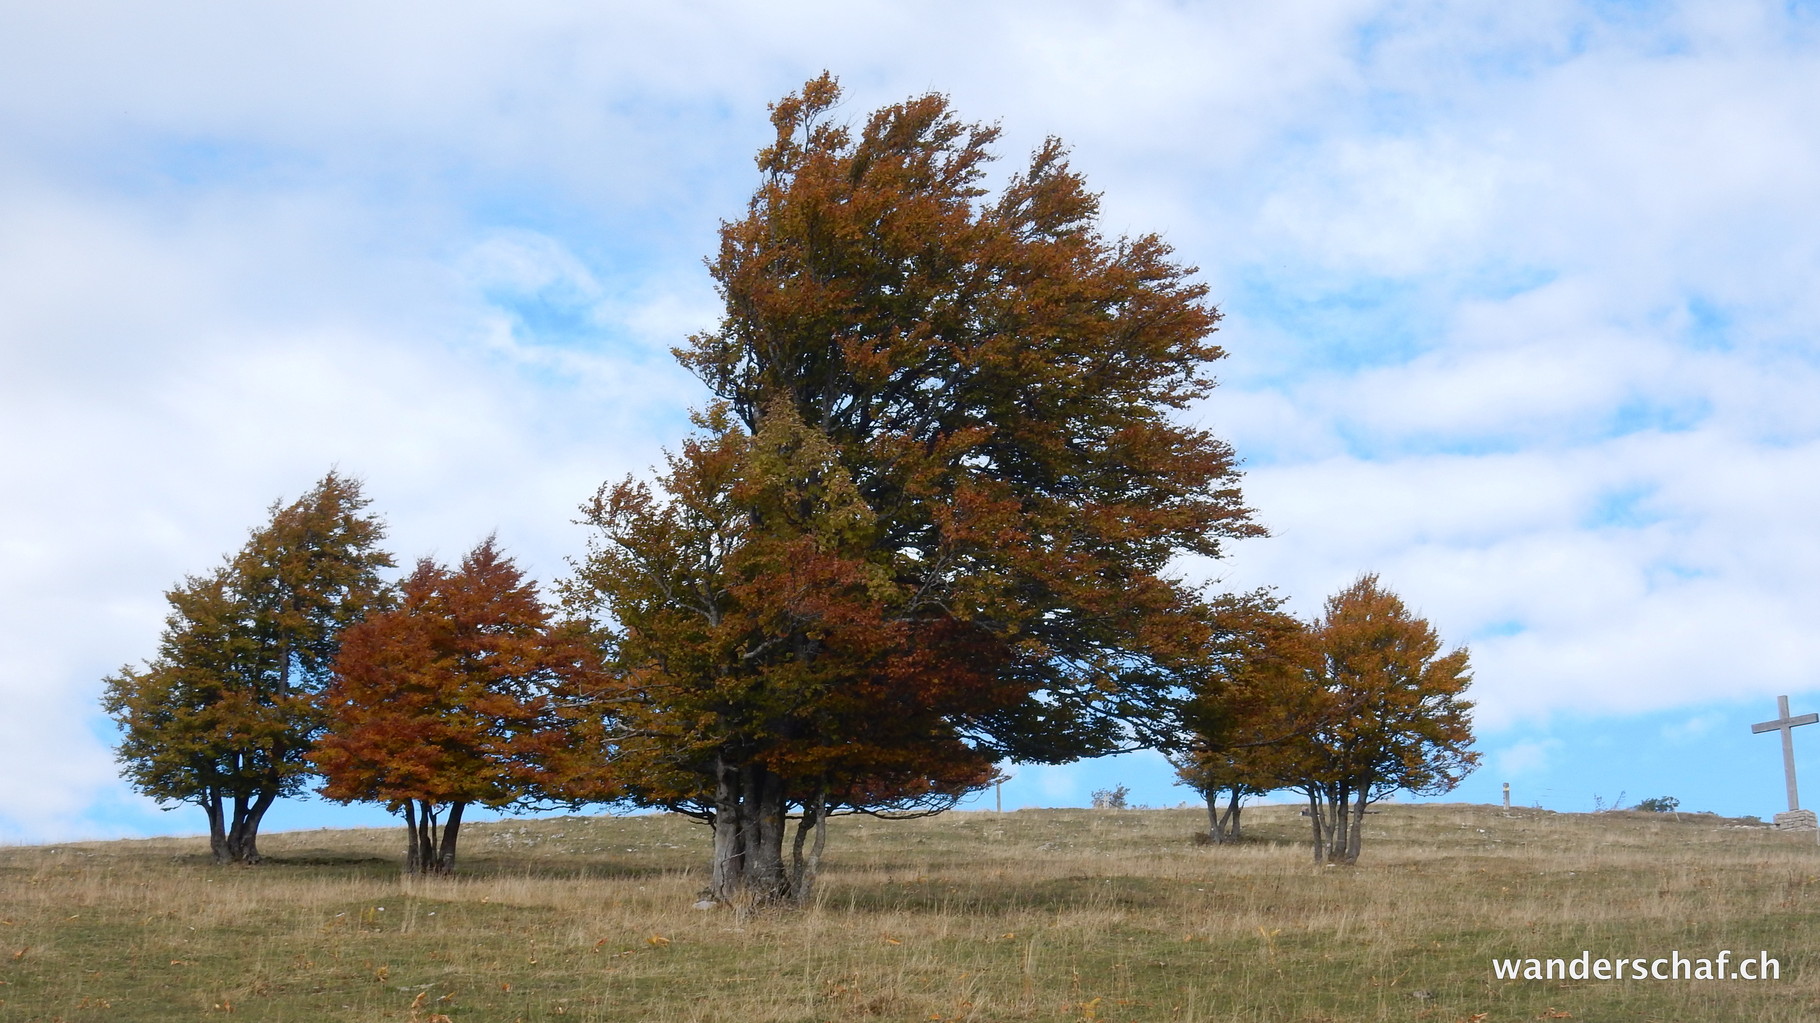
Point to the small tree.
(758, 668)
(225, 715)
(1395, 721)
(442, 701)
(1242, 725)
(1111, 799)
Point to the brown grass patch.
(1037, 915)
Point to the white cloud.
(1518, 297)
(1691, 730)
(1524, 758)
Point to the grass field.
(1037, 915)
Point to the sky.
(1518, 298)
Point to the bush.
(1110, 799)
(1660, 804)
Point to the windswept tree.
(445, 700)
(1395, 720)
(225, 714)
(927, 523)
(756, 668)
(1245, 721)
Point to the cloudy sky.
(1519, 303)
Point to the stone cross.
(1786, 725)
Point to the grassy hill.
(1037, 915)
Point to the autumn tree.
(927, 520)
(445, 700)
(1245, 719)
(1395, 720)
(225, 714)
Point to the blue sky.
(1518, 309)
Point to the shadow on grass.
(1111, 893)
(356, 866)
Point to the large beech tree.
(927, 519)
(445, 700)
(225, 714)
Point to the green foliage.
(225, 714)
(1659, 804)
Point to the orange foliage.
(927, 524)
(445, 699)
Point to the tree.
(443, 700)
(927, 522)
(759, 666)
(1395, 721)
(1244, 721)
(224, 716)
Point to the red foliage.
(445, 699)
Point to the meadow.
(1049, 915)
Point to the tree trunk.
(1223, 827)
(241, 843)
(423, 855)
(766, 877)
(451, 832)
(803, 870)
(1339, 825)
(430, 845)
(1358, 824)
(1314, 821)
(426, 836)
(218, 843)
(729, 834)
(749, 827)
(413, 853)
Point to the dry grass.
(1038, 915)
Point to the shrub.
(1111, 799)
